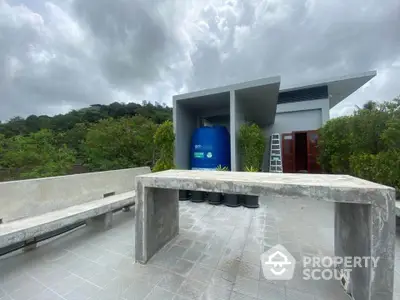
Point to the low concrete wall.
(32, 197)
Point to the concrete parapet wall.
(32, 197)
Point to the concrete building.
(294, 112)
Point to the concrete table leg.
(364, 230)
(157, 220)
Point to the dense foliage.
(120, 143)
(101, 137)
(366, 144)
(36, 155)
(164, 139)
(64, 122)
(252, 147)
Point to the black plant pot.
(232, 200)
(198, 196)
(250, 201)
(214, 198)
(184, 195)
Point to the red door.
(312, 152)
(288, 152)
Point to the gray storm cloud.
(60, 55)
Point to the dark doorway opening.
(300, 149)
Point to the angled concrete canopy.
(258, 100)
(339, 88)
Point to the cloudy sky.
(62, 54)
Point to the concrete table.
(364, 215)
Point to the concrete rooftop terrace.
(216, 256)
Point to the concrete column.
(185, 122)
(367, 231)
(157, 220)
(103, 222)
(30, 245)
(325, 112)
(233, 130)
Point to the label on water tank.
(209, 154)
(198, 154)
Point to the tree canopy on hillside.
(157, 112)
(98, 138)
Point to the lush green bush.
(164, 139)
(366, 144)
(120, 143)
(36, 155)
(335, 145)
(252, 146)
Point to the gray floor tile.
(201, 273)
(246, 286)
(150, 274)
(249, 270)
(16, 282)
(47, 295)
(177, 251)
(83, 292)
(270, 291)
(160, 294)
(239, 296)
(298, 295)
(115, 289)
(213, 292)
(192, 289)
(171, 282)
(192, 255)
(138, 290)
(182, 267)
(209, 260)
(198, 246)
(27, 291)
(179, 297)
(223, 279)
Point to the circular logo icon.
(209, 154)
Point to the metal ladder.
(275, 162)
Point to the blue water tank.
(210, 147)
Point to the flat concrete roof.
(339, 88)
(228, 88)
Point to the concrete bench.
(33, 208)
(364, 215)
(98, 213)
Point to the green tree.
(366, 144)
(370, 105)
(335, 145)
(164, 139)
(63, 122)
(252, 146)
(37, 155)
(74, 139)
(120, 143)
